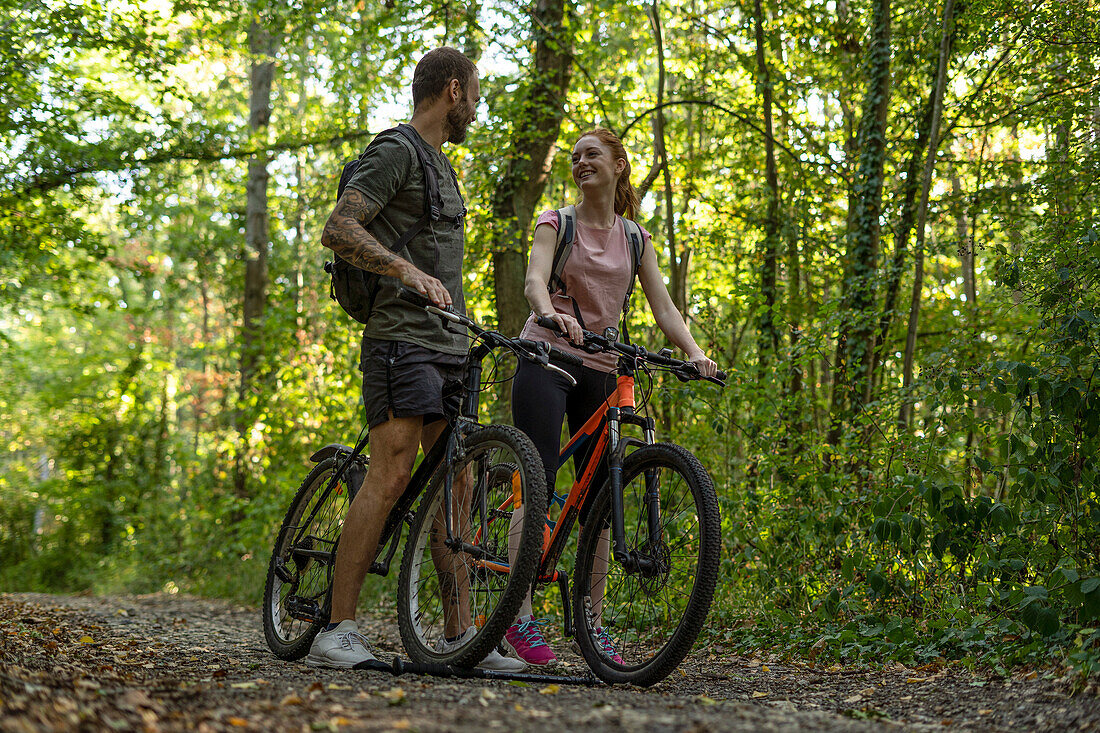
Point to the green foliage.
(971, 533)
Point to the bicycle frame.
(604, 426)
(442, 452)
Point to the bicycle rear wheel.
(297, 594)
(446, 590)
(652, 616)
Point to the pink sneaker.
(525, 639)
(607, 646)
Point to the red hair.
(627, 202)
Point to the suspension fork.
(631, 561)
(615, 482)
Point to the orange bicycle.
(658, 513)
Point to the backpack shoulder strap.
(433, 202)
(635, 242)
(567, 230)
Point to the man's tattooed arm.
(346, 234)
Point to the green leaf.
(1090, 585)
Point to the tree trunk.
(965, 247)
(261, 46)
(856, 337)
(908, 215)
(677, 261)
(922, 210)
(536, 128)
(768, 341)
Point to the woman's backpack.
(355, 289)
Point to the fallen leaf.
(704, 700)
(550, 690)
(337, 686)
(244, 685)
(518, 683)
(238, 722)
(1032, 675)
(985, 711)
(759, 694)
(915, 680)
(87, 640)
(488, 694)
(853, 698)
(395, 696)
(121, 612)
(220, 673)
(291, 699)
(402, 724)
(833, 668)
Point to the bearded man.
(406, 354)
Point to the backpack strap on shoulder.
(567, 231)
(635, 242)
(433, 201)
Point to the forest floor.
(169, 662)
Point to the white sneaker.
(494, 660)
(342, 648)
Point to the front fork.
(631, 561)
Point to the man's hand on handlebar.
(423, 283)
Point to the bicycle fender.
(328, 451)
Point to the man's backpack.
(567, 230)
(355, 289)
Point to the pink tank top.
(597, 275)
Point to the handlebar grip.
(549, 324)
(720, 375)
(411, 296)
(559, 357)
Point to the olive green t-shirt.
(390, 176)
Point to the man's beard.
(458, 119)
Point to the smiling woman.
(587, 289)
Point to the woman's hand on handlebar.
(569, 326)
(706, 367)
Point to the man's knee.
(394, 446)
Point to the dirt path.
(171, 663)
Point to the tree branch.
(715, 105)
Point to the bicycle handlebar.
(594, 343)
(545, 355)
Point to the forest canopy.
(879, 216)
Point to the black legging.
(541, 398)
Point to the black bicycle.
(457, 540)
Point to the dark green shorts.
(408, 380)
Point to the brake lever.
(559, 370)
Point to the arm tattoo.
(346, 234)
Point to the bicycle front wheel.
(446, 588)
(650, 616)
(297, 594)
